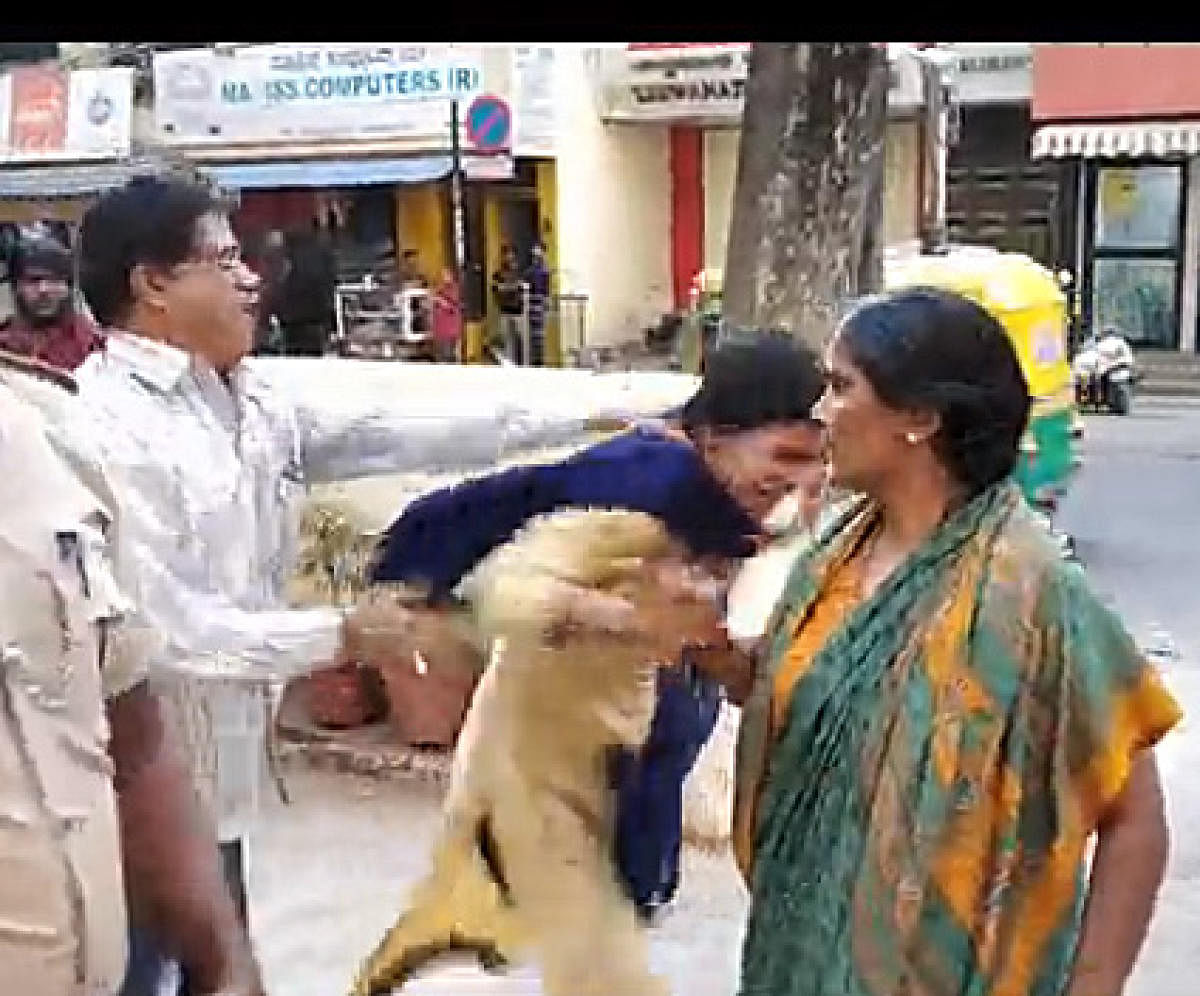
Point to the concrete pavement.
(329, 872)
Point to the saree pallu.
(920, 818)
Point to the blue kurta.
(443, 535)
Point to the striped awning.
(1113, 141)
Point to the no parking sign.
(489, 124)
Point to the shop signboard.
(705, 82)
(297, 92)
(50, 115)
(535, 108)
(991, 72)
(655, 81)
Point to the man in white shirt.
(211, 461)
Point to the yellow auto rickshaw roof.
(999, 281)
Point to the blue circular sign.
(489, 124)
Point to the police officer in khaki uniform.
(62, 909)
(83, 747)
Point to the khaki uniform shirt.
(62, 912)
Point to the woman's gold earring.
(913, 439)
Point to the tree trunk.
(808, 205)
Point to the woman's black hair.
(149, 221)
(752, 379)
(926, 349)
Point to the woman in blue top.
(747, 439)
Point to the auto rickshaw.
(1029, 301)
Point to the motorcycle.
(1105, 372)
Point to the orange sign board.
(39, 110)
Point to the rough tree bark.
(806, 231)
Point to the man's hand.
(688, 608)
(385, 630)
(381, 627)
(589, 610)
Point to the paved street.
(1134, 516)
(330, 871)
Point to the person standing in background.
(305, 306)
(510, 300)
(447, 318)
(47, 326)
(273, 267)
(537, 277)
(410, 271)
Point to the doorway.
(519, 225)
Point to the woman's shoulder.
(1031, 576)
(1026, 545)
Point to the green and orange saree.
(915, 824)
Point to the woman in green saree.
(947, 714)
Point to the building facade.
(672, 116)
(621, 158)
(1127, 116)
(64, 136)
(355, 140)
(998, 195)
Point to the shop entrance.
(519, 225)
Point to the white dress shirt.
(211, 473)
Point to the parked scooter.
(1105, 373)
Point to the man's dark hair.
(150, 221)
(926, 349)
(752, 379)
(42, 252)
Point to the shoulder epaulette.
(36, 368)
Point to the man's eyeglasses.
(227, 259)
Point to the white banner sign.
(991, 72)
(535, 123)
(49, 115)
(301, 92)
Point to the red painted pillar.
(687, 209)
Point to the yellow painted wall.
(720, 179)
(493, 239)
(547, 195)
(901, 184)
(423, 224)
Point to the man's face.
(211, 299)
(759, 467)
(42, 295)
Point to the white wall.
(720, 178)
(614, 202)
(614, 210)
